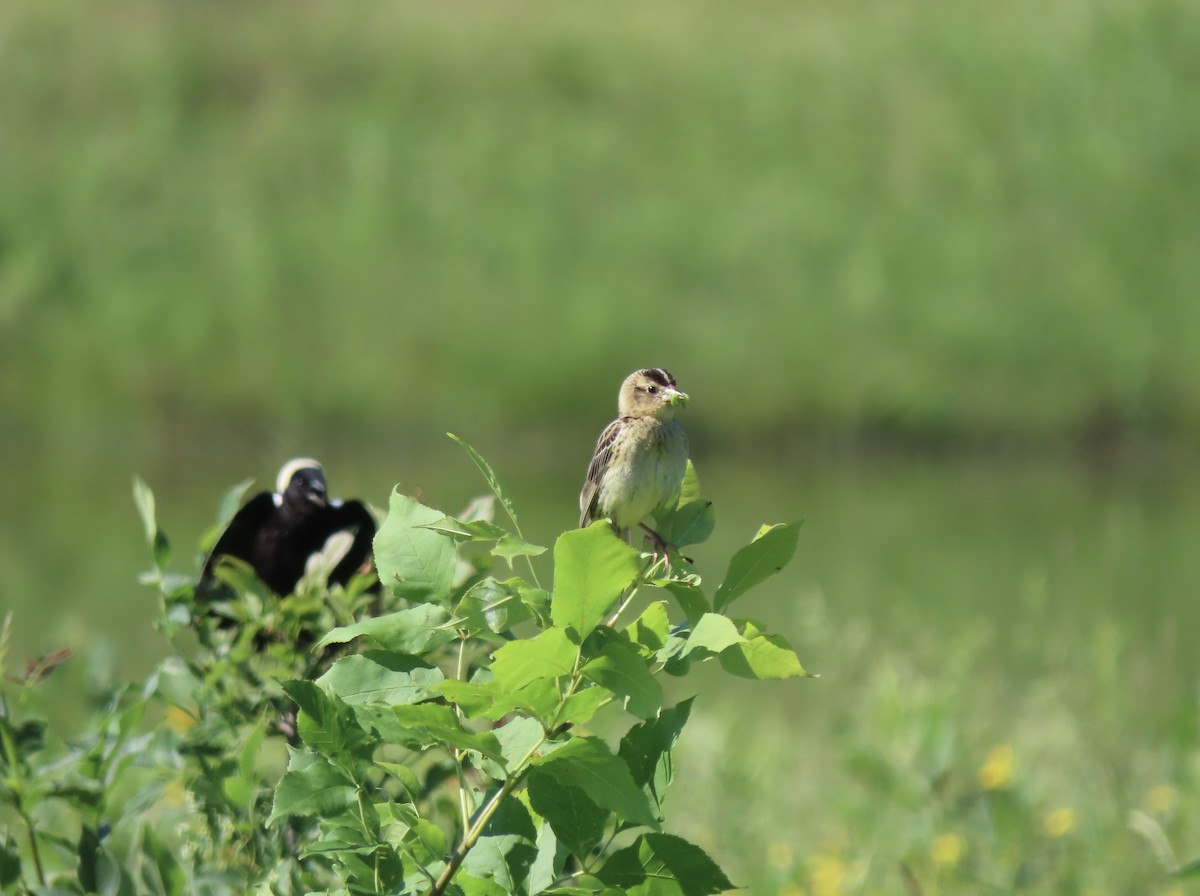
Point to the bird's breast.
(646, 471)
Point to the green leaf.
(312, 785)
(244, 581)
(226, 509)
(509, 547)
(404, 775)
(761, 657)
(469, 885)
(518, 739)
(242, 788)
(160, 548)
(506, 850)
(491, 605)
(381, 677)
(579, 708)
(518, 663)
(161, 871)
(592, 567)
(646, 749)
(1191, 869)
(690, 490)
(468, 530)
(541, 699)
(231, 501)
(480, 701)
(771, 550)
(548, 865)
(415, 630)
(326, 723)
(713, 633)
(538, 602)
(27, 738)
(10, 861)
(588, 763)
(621, 670)
(690, 523)
(576, 820)
(492, 481)
(650, 630)
(689, 597)
(415, 562)
(663, 865)
(430, 724)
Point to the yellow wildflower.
(174, 793)
(826, 874)
(1059, 823)
(997, 769)
(947, 850)
(1161, 799)
(779, 855)
(179, 719)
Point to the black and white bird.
(640, 459)
(278, 532)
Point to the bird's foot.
(660, 547)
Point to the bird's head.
(650, 392)
(301, 483)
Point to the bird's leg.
(659, 546)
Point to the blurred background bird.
(278, 533)
(638, 466)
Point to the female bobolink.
(641, 456)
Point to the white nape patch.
(291, 468)
(277, 499)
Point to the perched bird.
(640, 458)
(277, 533)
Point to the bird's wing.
(238, 539)
(353, 517)
(600, 461)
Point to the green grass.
(941, 766)
(931, 219)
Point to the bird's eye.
(652, 389)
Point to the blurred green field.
(928, 270)
(938, 219)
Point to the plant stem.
(34, 849)
(13, 763)
(485, 815)
(464, 814)
(642, 578)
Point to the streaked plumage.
(277, 533)
(638, 466)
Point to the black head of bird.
(301, 487)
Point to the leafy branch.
(502, 678)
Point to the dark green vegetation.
(231, 234)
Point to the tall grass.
(929, 218)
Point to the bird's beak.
(317, 496)
(677, 399)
